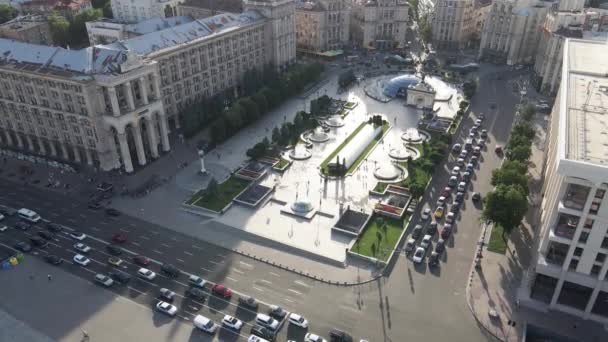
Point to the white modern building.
(132, 11)
(570, 271)
(322, 25)
(379, 24)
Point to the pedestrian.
(49, 277)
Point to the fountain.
(302, 206)
(413, 135)
(335, 121)
(299, 153)
(390, 172)
(318, 136)
(404, 153)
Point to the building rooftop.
(584, 101)
(24, 22)
(157, 24)
(234, 6)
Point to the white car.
(310, 337)
(3, 227)
(455, 171)
(1, 217)
(166, 308)
(462, 187)
(104, 280)
(167, 294)
(426, 241)
(419, 255)
(146, 273)
(441, 201)
(298, 320)
(78, 236)
(197, 281)
(267, 321)
(81, 260)
(426, 214)
(205, 324)
(81, 247)
(450, 218)
(253, 338)
(232, 323)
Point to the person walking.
(49, 277)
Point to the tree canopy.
(506, 206)
(7, 13)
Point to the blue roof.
(395, 84)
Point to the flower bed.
(224, 194)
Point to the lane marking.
(204, 269)
(135, 243)
(236, 270)
(188, 253)
(104, 223)
(274, 274)
(174, 239)
(294, 291)
(289, 300)
(145, 237)
(301, 283)
(214, 262)
(230, 278)
(180, 260)
(265, 281)
(155, 232)
(156, 251)
(95, 229)
(165, 245)
(197, 247)
(136, 290)
(82, 215)
(246, 264)
(257, 288)
(71, 220)
(124, 230)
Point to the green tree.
(510, 176)
(426, 31)
(523, 129)
(212, 187)
(469, 88)
(528, 112)
(7, 13)
(417, 189)
(218, 130)
(520, 153)
(107, 10)
(276, 135)
(78, 29)
(234, 118)
(250, 108)
(506, 206)
(261, 102)
(60, 29)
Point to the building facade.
(379, 24)
(570, 271)
(322, 25)
(66, 8)
(105, 31)
(29, 29)
(452, 23)
(133, 11)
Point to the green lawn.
(225, 193)
(497, 244)
(339, 148)
(352, 168)
(281, 164)
(369, 238)
(350, 105)
(380, 187)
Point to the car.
(462, 186)
(166, 308)
(196, 281)
(141, 260)
(453, 181)
(459, 197)
(440, 246)
(455, 171)
(45, 235)
(205, 324)
(3, 228)
(266, 321)
(104, 280)
(263, 332)
(336, 335)
(470, 168)
(22, 225)
(119, 238)
(473, 131)
(232, 323)
(478, 122)
(53, 259)
(476, 197)
(23, 246)
(170, 270)
(446, 192)
(474, 160)
(426, 241)
(167, 294)
(439, 212)
(426, 214)
(115, 261)
(433, 259)
(419, 255)
(248, 301)
(277, 312)
(482, 116)
(146, 274)
(460, 162)
(82, 248)
(221, 290)
(112, 212)
(498, 150)
(441, 201)
(81, 260)
(484, 133)
(446, 231)
(298, 320)
(456, 148)
(195, 293)
(94, 205)
(476, 150)
(455, 207)
(310, 337)
(481, 143)
(463, 154)
(254, 338)
(466, 176)
(432, 228)
(120, 276)
(470, 139)
(450, 218)
(53, 227)
(409, 245)
(38, 241)
(76, 235)
(114, 250)
(417, 231)
(7, 210)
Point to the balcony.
(566, 226)
(575, 197)
(556, 253)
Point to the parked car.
(146, 274)
(112, 212)
(195, 293)
(417, 232)
(446, 192)
(441, 201)
(298, 320)
(39, 242)
(23, 246)
(166, 308)
(446, 231)
(141, 260)
(433, 259)
(439, 212)
(46, 235)
(498, 150)
(82, 248)
(263, 332)
(336, 335)
(115, 261)
(119, 237)
(409, 245)
(205, 324)
(267, 321)
(167, 294)
(462, 187)
(419, 255)
(81, 260)
(104, 280)
(277, 312)
(232, 323)
(248, 301)
(432, 228)
(196, 281)
(477, 150)
(310, 337)
(76, 235)
(484, 133)
(53, 259)
(120, 276)
(453, 181)
(466, 176)
(456, 148)
(460, 162)
(440, 246)
(426, 241)
(450, 218)
(426, 214)
(53, 227)
(221, 290)
(114, 250)
(22, 225)
(170, 270)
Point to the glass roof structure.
(395, 84)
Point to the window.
(595, 269)
(578, 251)
(573, 265)
(583, 238)
(605, 243)
(600, 257)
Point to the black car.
(434, 259)
(22, 225)
(262, 332)
(432, 228)
(195, 293)
(38, 241)
(114, 250)
(112, 212)
(336, 335)
(277, 312)
(105, 187)
(23, 246)
(440, 246)
(53, 227)
(417, 232)
(53, 259)
(46, 235)
(170, 270)
(119, 276)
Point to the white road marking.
(155, 251)
(180, 260)
(124, 230)
(197, 247)
(232, 279)
(246, 264)
(155, 232)
(135, 243)
(294, 291)
(95, 229)
(274, 274)
(204, 269)
(104, 223)
(174, 239)
(214, 262)
(236, 270)
(145, 237)
(165, 245)
(55, 215)
(136, 290)
(82, 215)
(301, 283)
(184, 318)
(265, 281)
(257, 288)
(289, 300)
(188, 253)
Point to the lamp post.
(201, 156)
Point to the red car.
(447, 192)
(120, 238)
(446, 231)
(221, 290)
(141, 260)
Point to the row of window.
(41, 82)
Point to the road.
(412, 302)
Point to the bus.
(28, 215)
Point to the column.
(8, 138)
(124, 152)
(53, 148)
(143, 89)
(76, 153)
(139, 145)
(41, 145)
(114, 100)
(156, 85)
(129, 95)
(152, 139)
(87, 153)
(19, 140)
(164, 133)
(30, 142)
(64, 151)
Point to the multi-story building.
(379, 24)
(322, 25)
(511, 33)
(452, 23)
(199, 9)
(132, 11)
(105, 31)
(29, 29)
(66, 8)
(596, 19)
(570, 271)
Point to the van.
(205, 324)
(28, 215)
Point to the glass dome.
(400, 82)
(301, 206)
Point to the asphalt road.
(413, 302)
